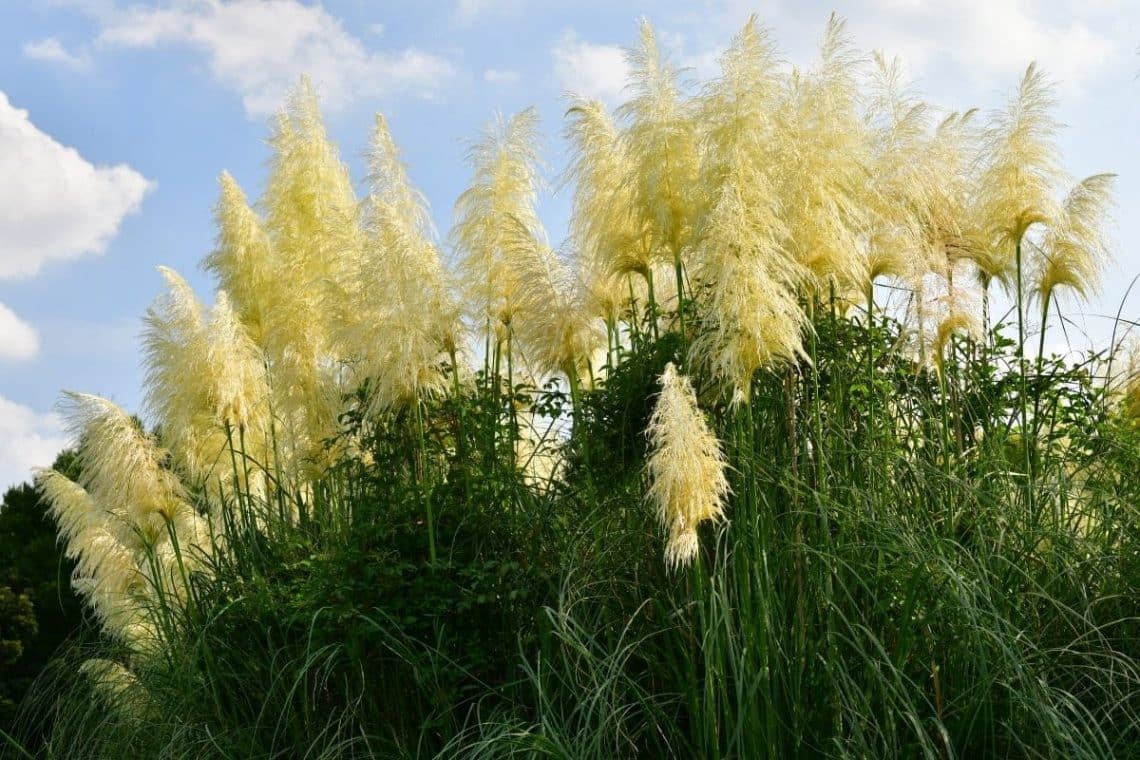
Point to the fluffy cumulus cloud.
(54, 204)
(589, 69)
(260, 47)
(27, 440)
(18, 339)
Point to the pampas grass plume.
(686, 467)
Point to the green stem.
(679, 272)
(1040, 364)
(461, 433)
(422, 480)
(512, 415)
(1024, 389)
(652, 302)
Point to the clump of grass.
(365, 527)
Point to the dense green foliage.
(887, 584)
(38, 609)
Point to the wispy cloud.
(51, 50)
(260, 47)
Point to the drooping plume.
(1075, 248)
(122, 466)
(900, 185)
(686, 467)
(610, 240)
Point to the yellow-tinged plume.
(106, 571)
(901, 184)
(73, 510)
(1022, 168)
(558, 330)
(499, 201)
(1128, 388)
(1075, 248)
(824, 166)
(238, 391)
(951, 230)
(610, 241)
(177, 383)
(686, 467)
(310, 209)
(398, 324)
(242, 259)
(205, 387)
(388, 183)
(119, 684)
(660, 138)
(122, 466)
(743, 270)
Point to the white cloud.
(993, 40)
(18, 339)
(52, 50)
(27, 440)
(589, 69)
(260, 47)
(54, 204)
(501, 76)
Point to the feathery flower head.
(901, 182)
(242, 259)
(388, 183)
(1075, 247)
(686, 467)
(602, 225)
(394, 320)
(499, 200)
(106, 573)
(742, 267)
(1021, 169)
(823, 159)
(661, 139)
(238, 387)
(557, 329)
(122, 466)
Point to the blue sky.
(116, 117)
